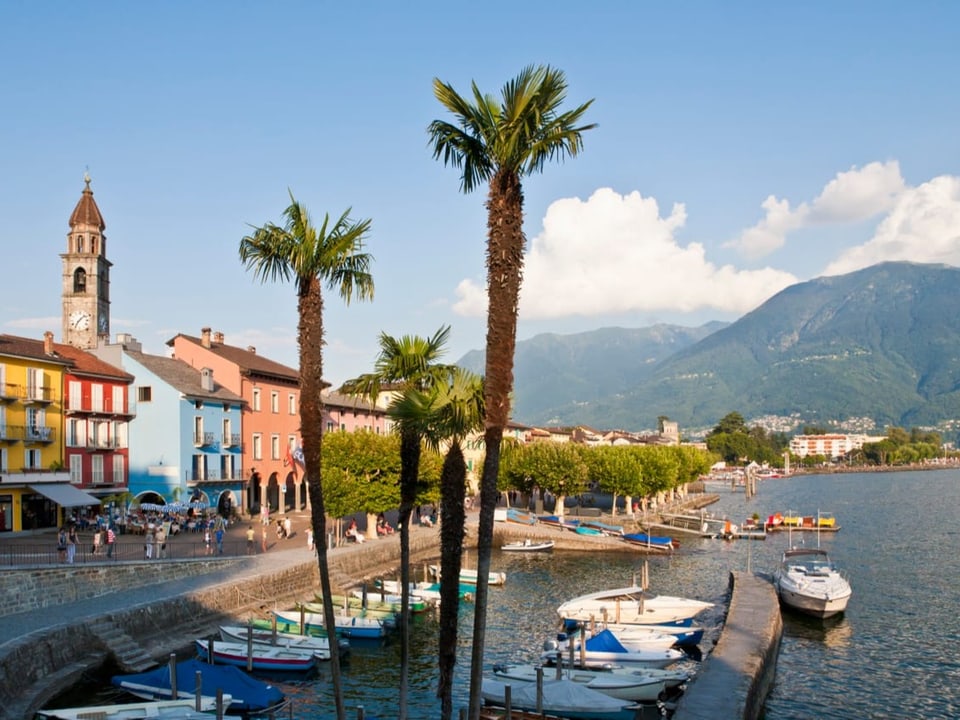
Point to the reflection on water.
(892, 654)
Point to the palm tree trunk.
(310, 339)
(453, 484)
(505, 242)
(409, 472)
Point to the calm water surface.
(893, 653)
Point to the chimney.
(48, 343)
(206, 379)
(218, 338)
(205, 337)
(251, 349)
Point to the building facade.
(35, 487)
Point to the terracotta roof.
(85, 363)
(249, 362)
(30, 348)
(183, 377)
(335, 399)
(86, 212)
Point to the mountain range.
(877, 346)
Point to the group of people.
(68, 540)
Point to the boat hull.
(632, 688)
(631, 606)
(264, 657)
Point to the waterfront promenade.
(45, 650)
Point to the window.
(118, 405)
(80, 280)
(96, 396)
(257, 446)
(226, 467)
(198, 404)
(96, 469)
(76, 469)
(198, 431)
(32, 460)
(274, 447)
(329, 425)
(256, 399)
(274, 402)
(292, 404)
(73, 433)
(76, 396)
(3, 460)
(36, 385)
(118, 470)
(144, 393)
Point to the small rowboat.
(185, 709)
(264, 657)
(469, 577)
(634, 688)
(604, 648)
(346, 625)
(320, 646)
(529, 545)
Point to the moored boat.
(604, 648)
(184, 709)
(319, 645)
(631, 605)
(469, 576)
(529, 545)
(273, 658)
(247, 694)
(634, 688)
(563, 698)
(664, 542)
(807, 581)
(520, 516)
(349, 626)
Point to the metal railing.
(39, 434)
(127, 548)
(202, 439)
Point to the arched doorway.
(273, 492)
(254, 492)
(226, 504)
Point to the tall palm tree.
(405, 365)
(311, 257)
(499, 142)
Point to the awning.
(65, 495)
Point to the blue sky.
(741, 147)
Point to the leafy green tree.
(311, 257)
(408, 365)
(498, 143)
(661, 468)
(616, 470)
(730, 423)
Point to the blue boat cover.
(248, 693)
(652, 539)
(605, 641)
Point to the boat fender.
(550, 646)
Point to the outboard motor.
(550, 646)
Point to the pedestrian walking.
(263, 538)
(111, 539)
(310, 539)
(206, 542)
(219, 536)
(161, 541)
(287, 527)
(62, 545)
(148, 545)
(250, 537)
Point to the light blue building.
(184, 444)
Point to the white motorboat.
(638, 687)
(468, 576)
(632, 606)
(563, 698)
(807, 581)
(604, 648)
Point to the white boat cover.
(559, 696)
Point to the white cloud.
(41, 324)
(923, 226)
(853, 196)
(613, 254)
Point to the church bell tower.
(86, 276)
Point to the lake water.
(892, 654)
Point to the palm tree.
(499, 142)
(333, 255)
(405, 365)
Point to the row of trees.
(492, 141)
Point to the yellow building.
(34, 485)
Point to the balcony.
(10, 392)
(85, 406)
(203, 439)
(108, 443)
(214, 476)
(11, 433)
(231, 440)
(39, 396)
(39, 434)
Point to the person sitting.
(354, 532)
(383, 527)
